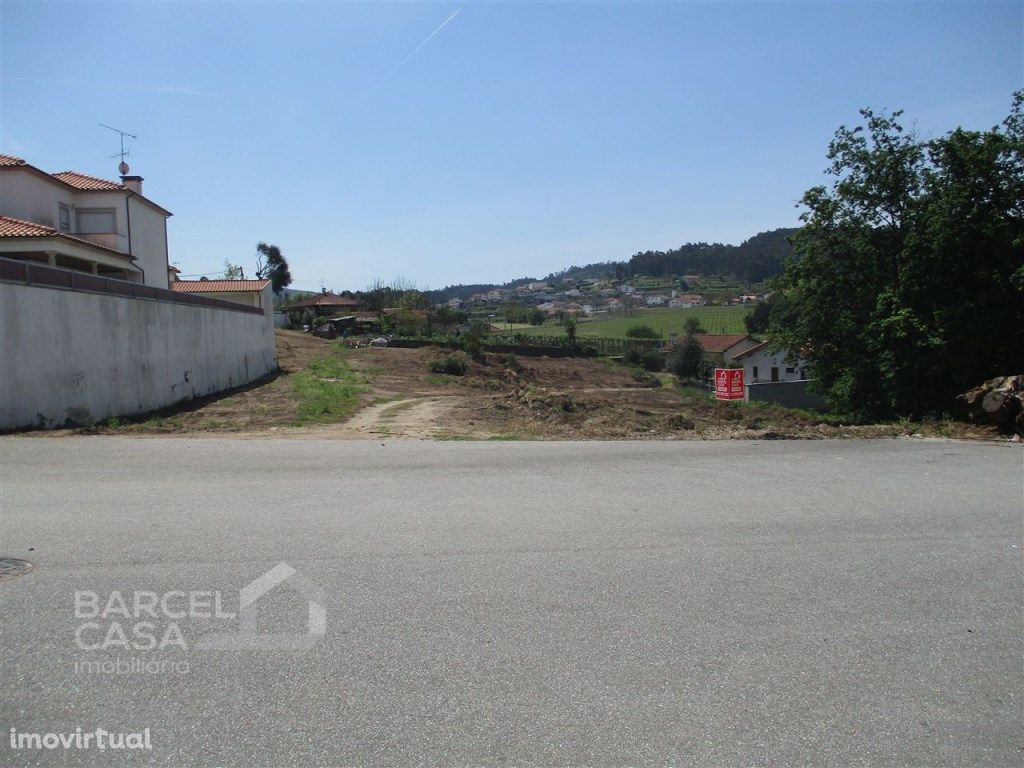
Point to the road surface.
(605, 604)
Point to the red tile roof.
(84, 181)
(218, 286)
(719, 342)
(323, 300)
(8, 160)
(11, 227)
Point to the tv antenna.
(123, 166)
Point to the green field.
(661, 319)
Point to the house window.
(65, 218)
(96, 221)
(790, 370)
(755, 373)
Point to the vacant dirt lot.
(325, 390)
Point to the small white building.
(760, 365)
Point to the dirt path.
(411, 417)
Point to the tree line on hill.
(752, 261)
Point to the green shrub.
(512, 363)
(473, 340)
(642, 332)
(633, 356)
(647, 379)
(652, 360)
(453, 365)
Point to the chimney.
(134, 183)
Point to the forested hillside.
(752, 261)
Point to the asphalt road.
(606, 604)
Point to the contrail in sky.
(427, 40)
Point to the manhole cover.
(12, 568)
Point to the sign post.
(729, 384)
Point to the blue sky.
(519, 139)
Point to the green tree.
(693, 325)
(686, 360)
(569, 324)
(233, 271)
(473, 340)
(906, 285)
(272, 265)
(757, 321)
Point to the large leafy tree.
(271, 265)
(906, 285)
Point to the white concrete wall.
(68, 356)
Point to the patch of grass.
(328, 390)
(509, 436)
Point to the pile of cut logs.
(997, 401)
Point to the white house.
(687, 300)
(760, 365)
(83, 223)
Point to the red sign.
(729, 384)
